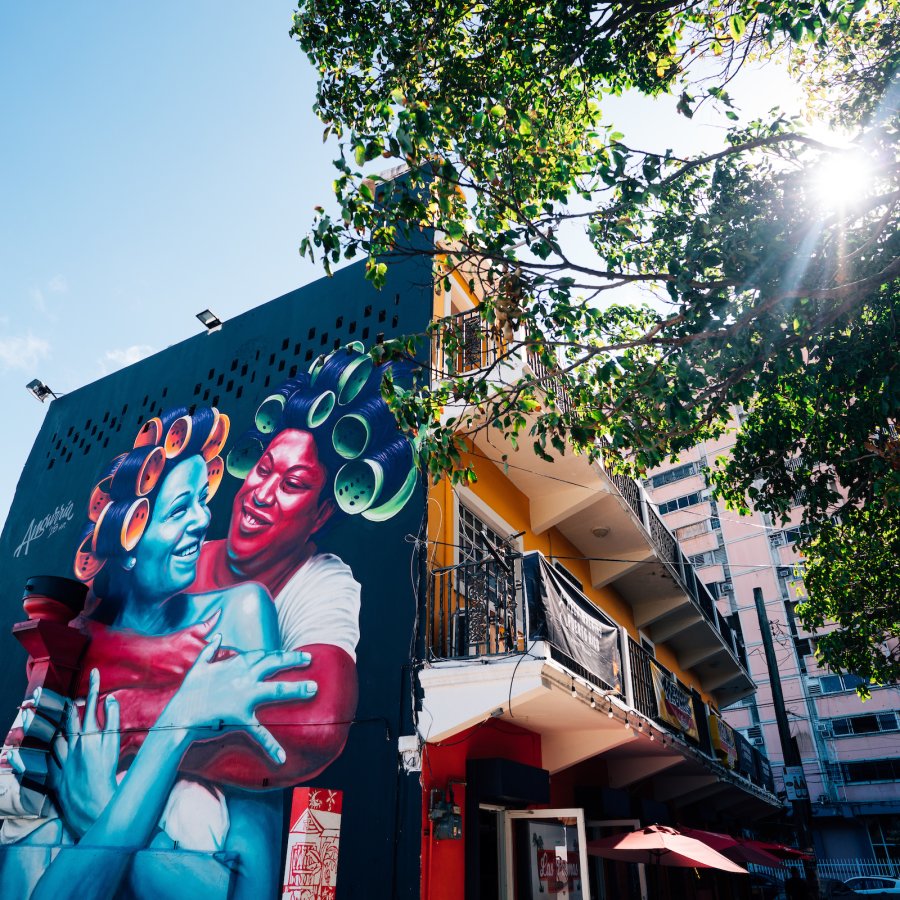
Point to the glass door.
(545, 857)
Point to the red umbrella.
(735, 849)
(781, 850)
(662, 846)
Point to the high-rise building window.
(691, 499)
(788, 536)
(695, 529)
(716, 557)
(865, 724)
(672, 475)
(834, 684)
(872, 770)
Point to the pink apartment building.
(850, 749)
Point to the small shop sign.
(723, 740)
(673, 702)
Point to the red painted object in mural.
(54, 656)
(310, 869)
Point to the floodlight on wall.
(39, 390)
(211, 322)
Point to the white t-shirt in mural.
(318, 605)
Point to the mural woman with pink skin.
(325, 446)
(149, 517)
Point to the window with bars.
(488, 614)
(475, 536)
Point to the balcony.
(495, 650)
(610, 520)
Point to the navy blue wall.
(233, 369)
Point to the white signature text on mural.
(50, 524)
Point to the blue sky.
(158, 160)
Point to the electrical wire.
(754, 567)
(229, 729)
(601, 490)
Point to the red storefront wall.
(443, 861)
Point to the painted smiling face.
(167, 555)
(278, 508)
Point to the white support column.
(626, 667)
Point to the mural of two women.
(216, 671)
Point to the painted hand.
(220, 694)
(83, 761)
(129, 669)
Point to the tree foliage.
(760, 292)
(854, 581)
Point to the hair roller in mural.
(178, 684)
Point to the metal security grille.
(475, 536)
(485, 589)
(466, 343)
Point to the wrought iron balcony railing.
(480, 609)
(475, 609)
(669, 552)
(478, 346)
(751, 763)
(469, 345)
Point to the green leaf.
(737, 25)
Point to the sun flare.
(842, 179)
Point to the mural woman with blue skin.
(324, 444)
(140, 591)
